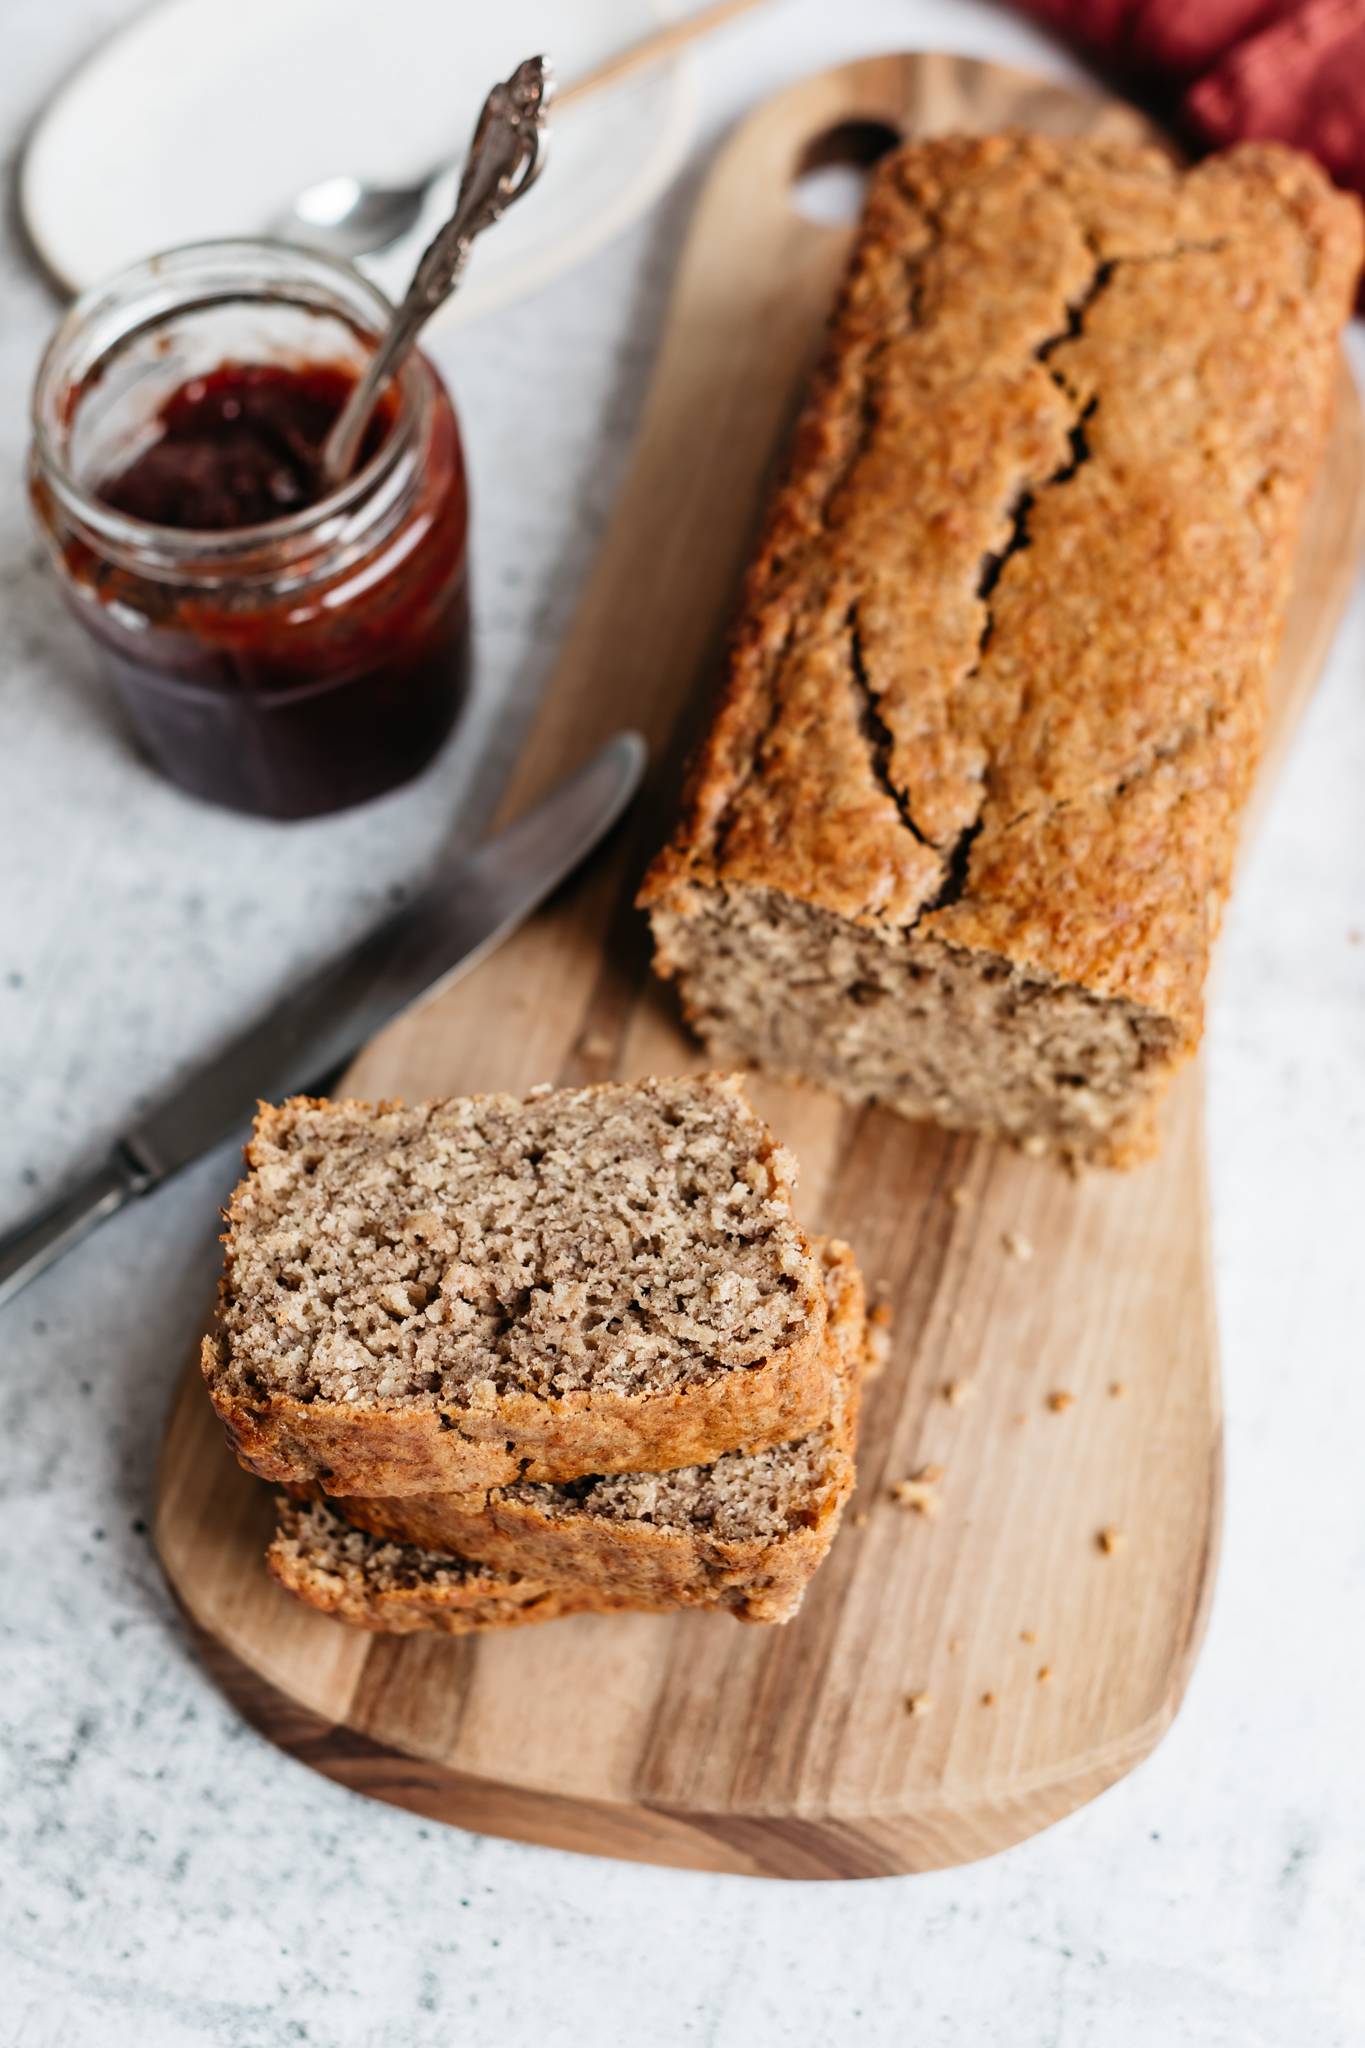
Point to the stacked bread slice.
(519, 1358)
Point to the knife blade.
(473, 899)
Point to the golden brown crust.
(373, 1589)
(758, 1578)
(399, 1449)
(998, 674)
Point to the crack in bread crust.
(993, 565)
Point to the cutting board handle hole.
(829, 184)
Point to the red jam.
(239, 446)
(296, 676)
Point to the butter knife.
(474, 899)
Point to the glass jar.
(300, 663)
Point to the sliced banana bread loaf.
(744, 1533)
(397, 1588)
(458, 1295)
(961, 834)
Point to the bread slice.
(459, 1295)
(744, 1533)
(397, 1588)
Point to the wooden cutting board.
(1085, 1382)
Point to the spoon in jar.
(505, 158)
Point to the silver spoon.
(347, 217)
(505, 158)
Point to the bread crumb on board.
(860, 1519)
(918, 1704)
(1117, 1389)
(988, 1699)
(1028, 1635)
(961, 1197)
(919, 1492)
(957, 1393)
(1044, 1673)
(1110, 1540)
(878, 1338)
(1017, 1245)
(1060, 1401)
(920, 1500)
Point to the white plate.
(201, 119)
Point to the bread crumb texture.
(639, 1238)
(745, 1532)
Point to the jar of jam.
(278, 648)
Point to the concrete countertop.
(168, 1878)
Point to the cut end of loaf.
(939, 1032)
(638, 1239)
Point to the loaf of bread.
(459, 1295)
(397, 1589)
(745, 1533)
(960, 835)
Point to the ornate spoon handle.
(505, 158)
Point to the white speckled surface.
(167, 1878)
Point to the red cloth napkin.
(1293, 70)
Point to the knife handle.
(26, 1251)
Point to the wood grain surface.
(1053, 1350)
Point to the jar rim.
(194, 275)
